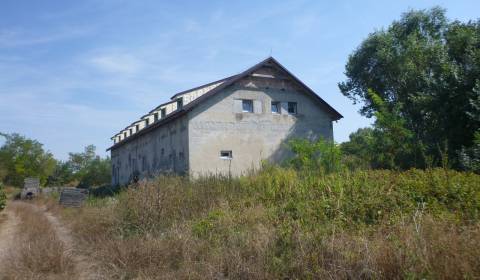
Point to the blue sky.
(73, 73)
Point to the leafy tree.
(88, 168)
(79, 161)
(96, 173)
(62, 174)
(424, 71)
(359, 151)
(3, 197)
(21, 158)
(470, 158)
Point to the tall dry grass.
(279, 223)
(37, 252)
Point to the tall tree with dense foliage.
(425, 71)
(88, 168)
(21, 157)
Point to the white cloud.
(120, 63)
(16, 37)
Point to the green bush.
(320, 155)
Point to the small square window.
(275, 107)
(226, 154)
(247, 106)
(292, 108)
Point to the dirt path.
(82, 265)
(8, 228)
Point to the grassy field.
(280, 223)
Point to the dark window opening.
(179, 103)
(137, 127)
(292, 108)
(163, 112)
(275, 107)
(226, 154)
(147, 122)
(144, 163)
(247, 106)
(155, 116)
(130, 130)
(125, 135)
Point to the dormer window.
(147, 120)
(155, 116)
(163, 112)
(137, 127)
(130, 130)
(125, 135)
(179, 103)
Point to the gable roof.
(225, 82)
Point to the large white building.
(228, 126)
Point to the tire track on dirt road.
(8, 238)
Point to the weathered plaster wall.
(217, 124)
(164, 149)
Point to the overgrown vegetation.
(285, 223)
(3, 197)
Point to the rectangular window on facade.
(163, 113)
(137, 127)
(292, 108)
(147, 120)
(155, 116)
(179, 103)
(125, 135)
(247, 106)
(226, 154)
(275, 107)
(131, 131)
